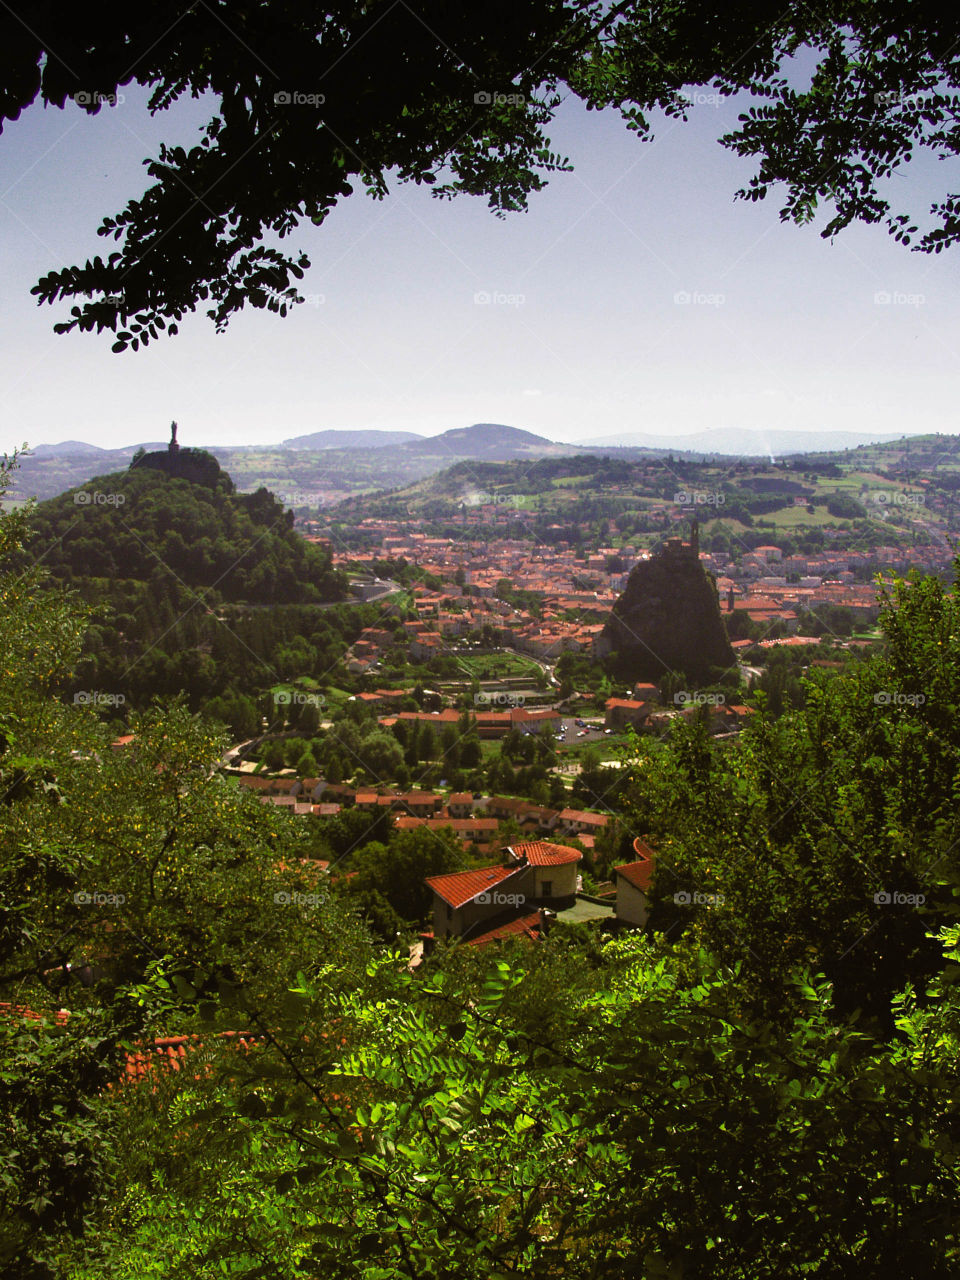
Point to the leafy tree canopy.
(132, 524)
(307, 102)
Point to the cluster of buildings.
(489, 724)
(643, 710)
(568, 622)
(534, 882)
(770, 586)
(576, 594)
(473, 818)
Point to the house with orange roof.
(470, 830)
(426, 645)
(420, 804)
(619, 712)
(327, 810)
(532, 926)
(497, 724)
(449, 715)
(573, 821)
(464, 900)
(537, 875)
(171, 1053)
(460, 804)
(18, 1012)
(633, 881)
(554, 870)
(522, 811)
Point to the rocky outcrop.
(195, 465)
(668, 619)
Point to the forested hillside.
(150, 527)
(191, 587)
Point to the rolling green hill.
(192, 587)
(873, 495)
(150, 527)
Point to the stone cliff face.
(668, 619)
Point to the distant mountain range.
(489, 441)
(326, 466)
(67, 448)
(748, 442)
(336, 439)
(77, 449)
(485, 441)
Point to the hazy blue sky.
(583, 336)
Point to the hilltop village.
(765, 586)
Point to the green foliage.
(58, 1154)
(846, 507)
(790, 834)
(398, 869)
(827, 620)
(865, 104)
(142, 523)
(641, 1127)
(119, 871)
(175, 574)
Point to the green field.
(495, 666)
(800, 517)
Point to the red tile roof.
(639, 874)
(459, 887)
(455, 824)
(584, 815)
(543, 853)
(524, 926)
(170, 1052)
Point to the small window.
(449, 911)
(547, 888)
